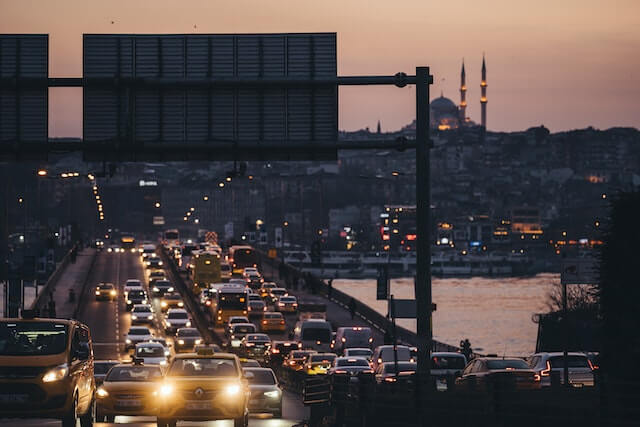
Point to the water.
(495, 314)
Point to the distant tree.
(583, 298)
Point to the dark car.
(136, 297)
(486, 373)
(255, 346)
(187, 339)
(161, 287)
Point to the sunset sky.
(562, 63)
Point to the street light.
(157, 204)
(192, 209)
(221, 184)
(205, 198)
(42, 172)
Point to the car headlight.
(198, 341)
(166, 390)
(167, 353)
(144, 301)
(170, 290)
(167, 323)
(113, 293)
(163, 304)
(109, 250)
(134, 317)
(273, 394)
(159, 262)
(156, 289)
(101, 392)
(163, 363)
(188, 324)
(181, 342)
(180, 304)
(232, 390)
(128, 341)
(56, 374)
(150, 317)
(128, 301)
(97, 292)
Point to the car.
(352, 336)
(155, 276)
(350, 365)
(249, 270)
(136, 296)
(163, 342)
(204, 386)
(225, 271)
(387, 353)
(187, 339)
(239, 331)
(153, 262)
(106, 291)
(255, 346)
(148, 251)
(206, 294)
(287, 304)
(314, 334)
(447, 364)
(128, 389)
(253, 279)
(46, 370)
(161, 287)
(249, 363)
(266, 288)
(276, 293)
(256, 307)
(393, 372)
(150, 353)
(237, 282)
(318, 363)
(295, 360)
(265, 393)
(137, 334)
(580, 368)
(141, 313)
(486, 373)
(132, 284)
(235, 319)
(176, 318)
(171, 300)
(365, 353)
(272, 321)
(101, 368)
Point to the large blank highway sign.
(148, 105)
(23, 107)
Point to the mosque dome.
(443, 105)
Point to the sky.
(565, 64)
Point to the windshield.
(352, 362)
(225, 267)
(203, 368)
(322, 358)
(178, 315)
(403, 354)
(188, 333)
(257, 338)
(507, 364)
(139, 331)
(163, 284)
(101, 368)
(134, 373)
(447, 362)
(141, 310)
(106, 286)
(262, 377)
(150, 351)
(357, 338)
(573, 362)
(30, 338)
(244, 329)
(402, 367)
(316, 334)
(287, 299)
(273, 316)
(365, 353)
(136, 294)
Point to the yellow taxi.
(265, 290)
(318, 364)
(128, 389)
(272, 321)
(106, 291)
(203, 386)
(46, 370)
(171, 300)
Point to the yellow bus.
(205, 270)
(229, 301)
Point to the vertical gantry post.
(423, 217)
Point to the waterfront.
(494, 313)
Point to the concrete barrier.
(43, 297)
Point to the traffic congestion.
(201, 333)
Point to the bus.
(128, 243)
(171, 237)
(241, 257)
(229, 301)
(205, 270)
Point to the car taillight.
(390, 379)
(592, 366)
(282, 322)
(275, 351)
(264, 322)
(546, 372)
(536, 377)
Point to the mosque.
(446, 115)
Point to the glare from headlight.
(232, 390)
(163, 363)
(128, 341)
(128, 301)
(181, 342)
(273, 394)
(134, 317)
(97, 292)
(144, 301)
(102, 392)
(56, 374)
(159, 262)
(180, 304)
(150, 317)
(168, 323)
(170, 290)
(113, 293)
(188, 324)
(198, 341)
(166, 390)
(167, 353)
(163, 304)
(156, 289)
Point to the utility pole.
(423, 219)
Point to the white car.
(137, 334)
(141, 313)
(151, 353)
(132, 284)
(175, 319)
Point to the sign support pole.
(423, 217)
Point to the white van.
(313, 334)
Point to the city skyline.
(573, 68)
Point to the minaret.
(463, 95)
(483, 95)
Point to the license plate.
(14, 398)
(198, 405)
(129, 403)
